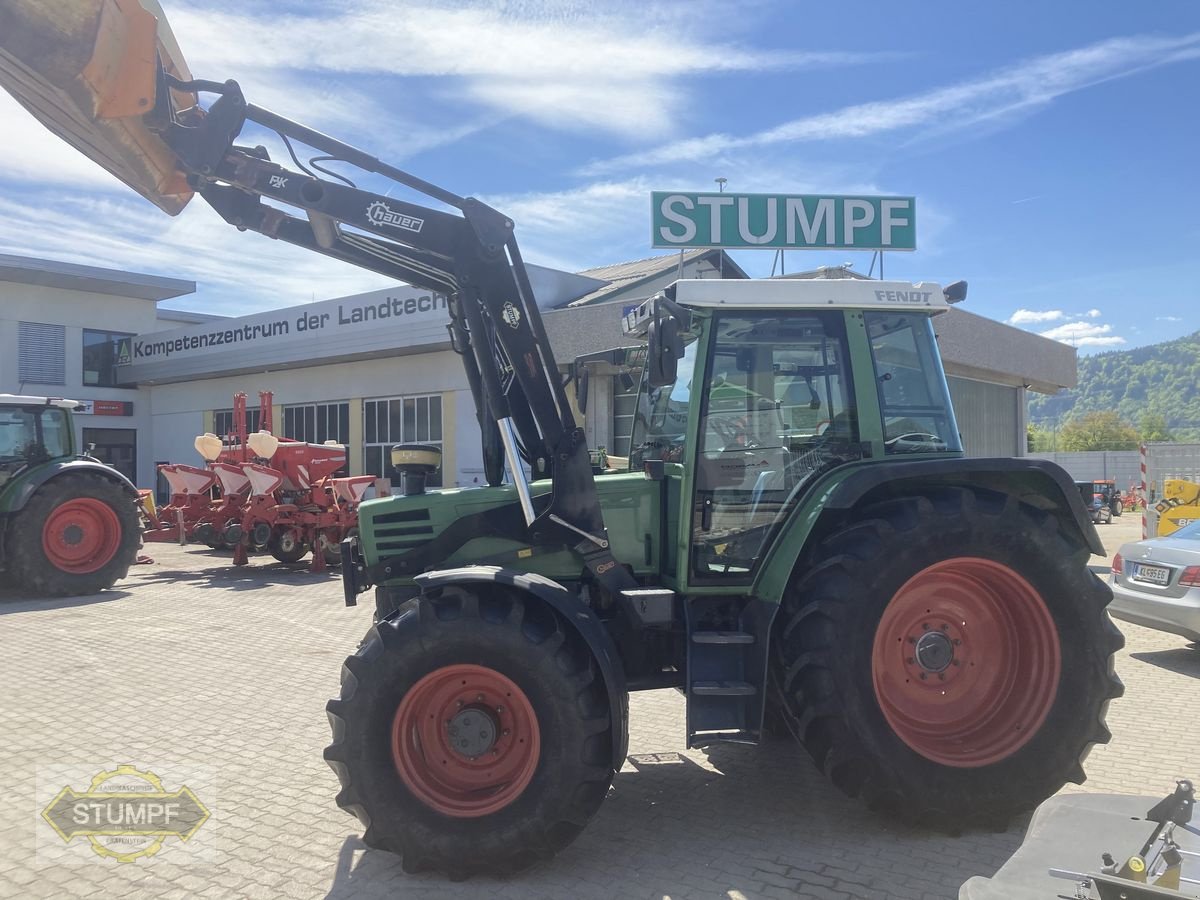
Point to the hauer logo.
(379, 213)
(512, 315)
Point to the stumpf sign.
(783, 221)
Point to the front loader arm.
(107, 76)
(473, 258)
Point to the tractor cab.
(753, 389)
(33, 430)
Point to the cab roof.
(25, 400)
(814, 293)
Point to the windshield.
(1189, 532)
(913, 398)
(31, 435)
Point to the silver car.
(1156, 583)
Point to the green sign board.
(783, 221)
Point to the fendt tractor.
(798, 542)
(69, 524)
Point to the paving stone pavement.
(192, 663)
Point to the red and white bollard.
(1145, 505)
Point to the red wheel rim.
(81, 535)
(465, 741)
(966, 662)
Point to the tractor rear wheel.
(948, 658)
(285, 545)
(472, 734)
(77, 535)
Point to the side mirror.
(583, 378)
(956, 292)
(664, 348)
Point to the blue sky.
(1052, 148)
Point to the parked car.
(1096, 500)
(1156, 583)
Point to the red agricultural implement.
(205, 502)
(295, 503)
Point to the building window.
(317, 422)
(223, 422)
(400, 420)
(41, 353)
(100, 357)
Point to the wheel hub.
(466, 740)
(472, 732)
(72, 535)
(934, 651)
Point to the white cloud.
(1021, 88)
(1030, 316)
(1168, 318)
(611, 67)
(1084, 334)
(1093, 314)
(236, 272)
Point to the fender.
(585, 622)
(31, 481)
(1038, 482)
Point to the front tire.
(948, 658)
(537, 759)
(77, 535)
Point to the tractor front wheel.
(77, 535)
(948, 657)
(472, 734)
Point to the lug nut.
(945, 627)
(912, 640)
(923, 676)
(957, 641)
(925, 625)
(910, 660)
(941, 676)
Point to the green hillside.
(1162, 378)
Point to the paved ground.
(203, 672)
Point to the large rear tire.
(948, 658)
(504, 678)
(77, 535)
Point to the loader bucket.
(86, 69)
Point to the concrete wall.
(1124, 466)
(76, 310)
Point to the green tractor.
(798, 543)
(810, 553)
(69, 525)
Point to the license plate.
(1152, 574)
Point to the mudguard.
(30, 481)
(582, 619)
(1039, 482)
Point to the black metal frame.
(473, 258)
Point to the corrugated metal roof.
(628, 274)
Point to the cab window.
(913, 397)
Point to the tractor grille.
(400, 531)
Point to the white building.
(376, 369)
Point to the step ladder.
(726, 673)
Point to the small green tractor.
(69, 525)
